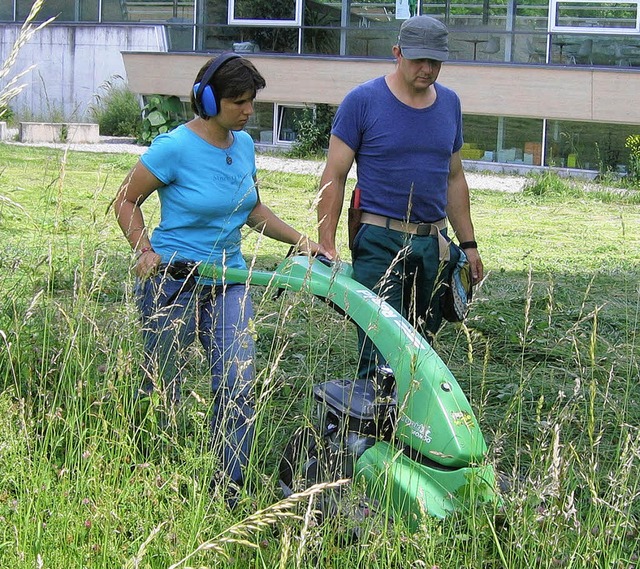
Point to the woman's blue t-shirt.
(403, 154)
(204, 201)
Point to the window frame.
(232, 20)
(278, 112)
(556, 28)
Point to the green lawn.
(549, 358)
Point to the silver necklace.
(226, 151)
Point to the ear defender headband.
(206, 100)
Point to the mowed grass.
(549, 358)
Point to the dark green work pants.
(405, 271)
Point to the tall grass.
(90, 477)
(11, 81)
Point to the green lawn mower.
(408, 437)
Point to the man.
(404, 131)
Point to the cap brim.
(421, 53)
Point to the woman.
(205, 174)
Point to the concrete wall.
(77, 133)
(72, 62)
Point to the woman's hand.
(147, 264)
(305, 245)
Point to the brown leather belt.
(419, 229)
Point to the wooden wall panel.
(531, 91)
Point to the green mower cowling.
(437, 459)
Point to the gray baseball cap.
(424, 37)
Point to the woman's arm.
(262, 219)
(136, 188)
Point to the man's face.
(419, 73)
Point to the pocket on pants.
(156, 292)
(357, 239)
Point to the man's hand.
(475, 262)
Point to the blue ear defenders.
(206, 100)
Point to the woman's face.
(235, 112)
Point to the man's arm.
(459, 214)
(331, 196)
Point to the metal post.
(344, 22)
(543, 153)
(511, 25)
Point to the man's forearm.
(329, 210)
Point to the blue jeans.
(404, 270)
(173, 313)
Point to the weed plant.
(117, 110)
(90, 477)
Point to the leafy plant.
(161, 114)
(633, 144)
(313, 131)
(570, 144)
(6, 113)
(117, 110)
(608, 156)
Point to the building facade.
(552, 83)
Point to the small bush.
(633, 144)
(161, 114)
(313, 132)
(117, 111)
(6, 114)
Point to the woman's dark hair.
(234, 78)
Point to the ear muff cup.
(206, 100)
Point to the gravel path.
(109, 144)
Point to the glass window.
(372, 42)
(321, 32)
(502, 139)
(114, 11)
(258, 12)
(369, 13)
(260, 124)
(64, 10)
(531, 15)
(178, 11)
(6, 11)
(287, 119)
(464, 13)
(594, 16)
(87, 10)
(274, 40)
(589, 146)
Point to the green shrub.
(313, 131)
(6, 113)
(161, 114)
(117, 111)
(633, 144)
